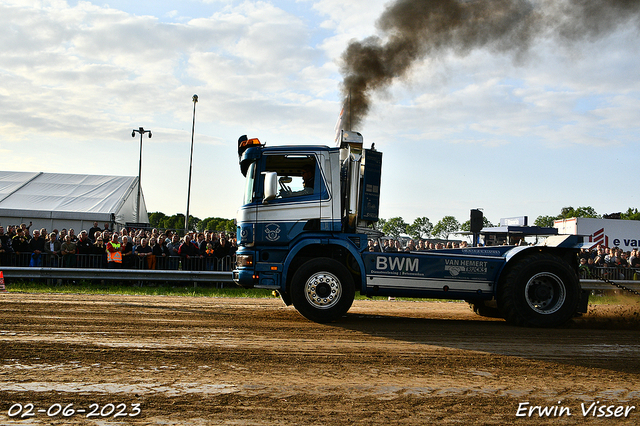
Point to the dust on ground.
(201, 361)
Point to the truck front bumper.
(244, 278)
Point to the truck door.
(297, 207)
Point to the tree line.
(420, 228)
(176, 222)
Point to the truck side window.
(296, 174)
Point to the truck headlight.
(244, 260)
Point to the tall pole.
(142, 131)
(193, 128)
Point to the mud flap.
(583, 304)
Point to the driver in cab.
(308, 176)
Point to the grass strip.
(205, 290)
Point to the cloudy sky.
(514, 135)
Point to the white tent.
(58, 200)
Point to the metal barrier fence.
(593, 278)
(611, 273)
(94, 267)
(98, 261)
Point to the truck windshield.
(248, 189)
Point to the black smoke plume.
(411, 30)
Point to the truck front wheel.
(322, 290)
(540, 290)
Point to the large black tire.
(540, 290)
(322, 290)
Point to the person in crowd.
(634, 260)
(44, 234)
(68, 250)
(210, 258)
(201, 243)
(5, 248)
(234, 246)
(411, 246)
(72, 234)
(611, 259)
(622, 259)
(21, 248)
(99, 251)
(173, 248)
(62, 235)
(83, 247)
(222, 249)
(143, 252)
(583, 269)
(127, 253)
(174, 245)
(390, 246)
(92, 232)
(114, 253)
(53, 249)
(189, 253)
(160, 251)
(36, 247)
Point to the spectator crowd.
(610, 262)
(104, 248)
(391, 245)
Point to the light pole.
(142, 131)
(193, 128)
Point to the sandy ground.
(198, 361)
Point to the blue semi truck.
(309, 212)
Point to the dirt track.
(200, 361)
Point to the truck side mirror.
(270, 186)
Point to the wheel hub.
(545, 293)
(323, 290)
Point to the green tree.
(217, 224)
(568, 212)
(630, 214)
(395, 227)
(545, 221)
(466, 227)
(173, 222)
(445, 227)
(156, 219)
(420, 228)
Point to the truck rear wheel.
(540, 290)
(322, 290)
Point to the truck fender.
(563, 252)
(327, 242)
